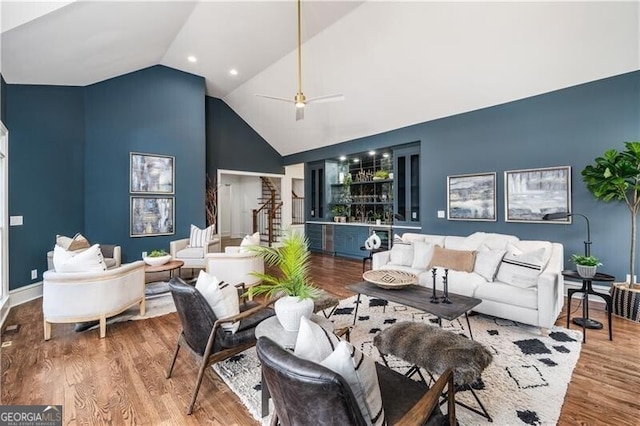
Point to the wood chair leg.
(451, 402)
(173, 360)
(103, 326)
(203, 367)
(47, 330)
(143, 306)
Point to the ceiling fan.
(300, 100)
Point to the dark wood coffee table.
(419, 297)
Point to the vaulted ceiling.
(397, 63)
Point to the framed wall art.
(471, 197)
(151, 174)
(532, 193)
(151, 216)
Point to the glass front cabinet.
(407, 193)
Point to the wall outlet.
(414, 215)
(15, 220)
(144, 254)
(440, 214)
(34, 274)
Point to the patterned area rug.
(525, 384)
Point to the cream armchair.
(193, 257)
(69, 297)
(235, 267)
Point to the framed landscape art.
(471, 197)
(151, 174)
(151, 216)
(532, 193)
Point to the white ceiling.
(397, 63)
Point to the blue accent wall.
(569, 127)
(46, 172)
(157, 110)
(233, 145)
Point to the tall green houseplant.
(616, 177)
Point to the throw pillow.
(487, 262)
(422, 254)
(78, 242)
(456, 260)
(401, 254)
(89, 260)
(222, 297)
(521, 269)
(359, 371)
(200, 237)
(314, 343)
(249, 240)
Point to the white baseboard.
(4, 311)
(25, 294)
(598, 288)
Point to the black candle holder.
(445, 282)
(434, 298)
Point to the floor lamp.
(564, 215)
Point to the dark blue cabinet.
(315, 235)
(348, 240)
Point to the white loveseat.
(536, 298)
(86, 296)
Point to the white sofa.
(69, 297)
(538, 304)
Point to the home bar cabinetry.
(353, 196)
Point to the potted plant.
(157, 257)
(381, 174)
(292, 282)
(339, 212)
(616, 177)
(586, 265)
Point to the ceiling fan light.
(299, 104)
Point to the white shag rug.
(524, 385)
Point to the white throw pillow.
(401, 254)
(521, 269)
(314, 343)
(422, 254)
(249, 240)
(200, 237)
(487, 262)
(222, 297)
(89, 260)
(359, 372)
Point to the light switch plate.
(15, 220)
(440, 214)
(34, 274)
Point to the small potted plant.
(339, 212)
(381, 174)
(586, 265)
(157, 258)
(292, 283)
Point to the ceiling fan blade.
(275, 98)
(299, 114)
(328, 98)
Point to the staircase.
(267, 218)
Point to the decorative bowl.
(390, 279)
(157, 261)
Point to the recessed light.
(385, 155)
(372, 152)
(233, 71)
(343, 157)
(192, 59)
(356, 160)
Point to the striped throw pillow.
(521, 269)
(200, 237)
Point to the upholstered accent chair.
(112, 255)
(235, 266)
(193, 257)
(202, 334)
(305, 393)
(71, 297)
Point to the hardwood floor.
(120, 380)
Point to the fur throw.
(435, 350)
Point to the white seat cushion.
(463, 283)
(509, 295)
(191, 253)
